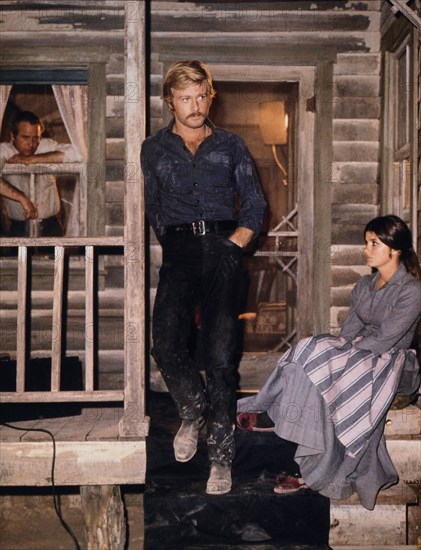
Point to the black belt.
(201, 227)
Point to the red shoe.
(252, 422)
(288, 484)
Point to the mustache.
(196, 113)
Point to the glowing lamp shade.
(273, 122)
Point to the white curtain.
(72, 102)
(4, 96)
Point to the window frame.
(93, 60)
(399, 164)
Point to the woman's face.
(377, 254)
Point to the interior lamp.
(273, 122)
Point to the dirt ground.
(29, 521)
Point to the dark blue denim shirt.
(219, 182)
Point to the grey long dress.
(330, 395)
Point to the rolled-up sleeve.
(71, 152)
(252, 202)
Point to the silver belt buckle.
(199, 228)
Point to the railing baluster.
(21, 318)
(57, 324)
(89, 318)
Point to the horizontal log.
(364, 107)
(350, 233)
(115, 148)
(35, 19)
(326, 5)
(361, 86)
(108, 299)
(114, 106)
(348, 255)
(356, 130)
(345, 276)
(340, 296)
(353, 213)
(249, 17)
(115, 63)
(114, 214)
(156, 107)
(357, 64)
(110, 334)
(352, 151)
(354, 42)
(114, 127)
(115, 83)
(115, 191)
(355, 193)
(356, 173)
(155, 81)
(114, 231)
(337, 317)
(109, 42)
(114, 170)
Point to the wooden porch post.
(133, 423)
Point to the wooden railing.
(55, 394)
(134, 423)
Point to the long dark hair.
(394, 233)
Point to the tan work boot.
(219, 481)
(185, 442)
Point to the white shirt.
(46, 198)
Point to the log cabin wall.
(350, 33)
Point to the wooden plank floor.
(88, 451)
(96, 424)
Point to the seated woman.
(330, 394)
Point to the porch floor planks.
(91, 425)
(106, 427)
(88, 451)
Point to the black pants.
(205, 271)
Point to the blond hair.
(183, 74)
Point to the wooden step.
(350, 523)
(405, 421)
(405, 452)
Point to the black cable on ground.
(53, 487)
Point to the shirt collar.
(399, 274)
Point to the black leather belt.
(201, 227)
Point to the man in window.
(27, 146)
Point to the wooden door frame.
(398, 37)
(313, 71)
